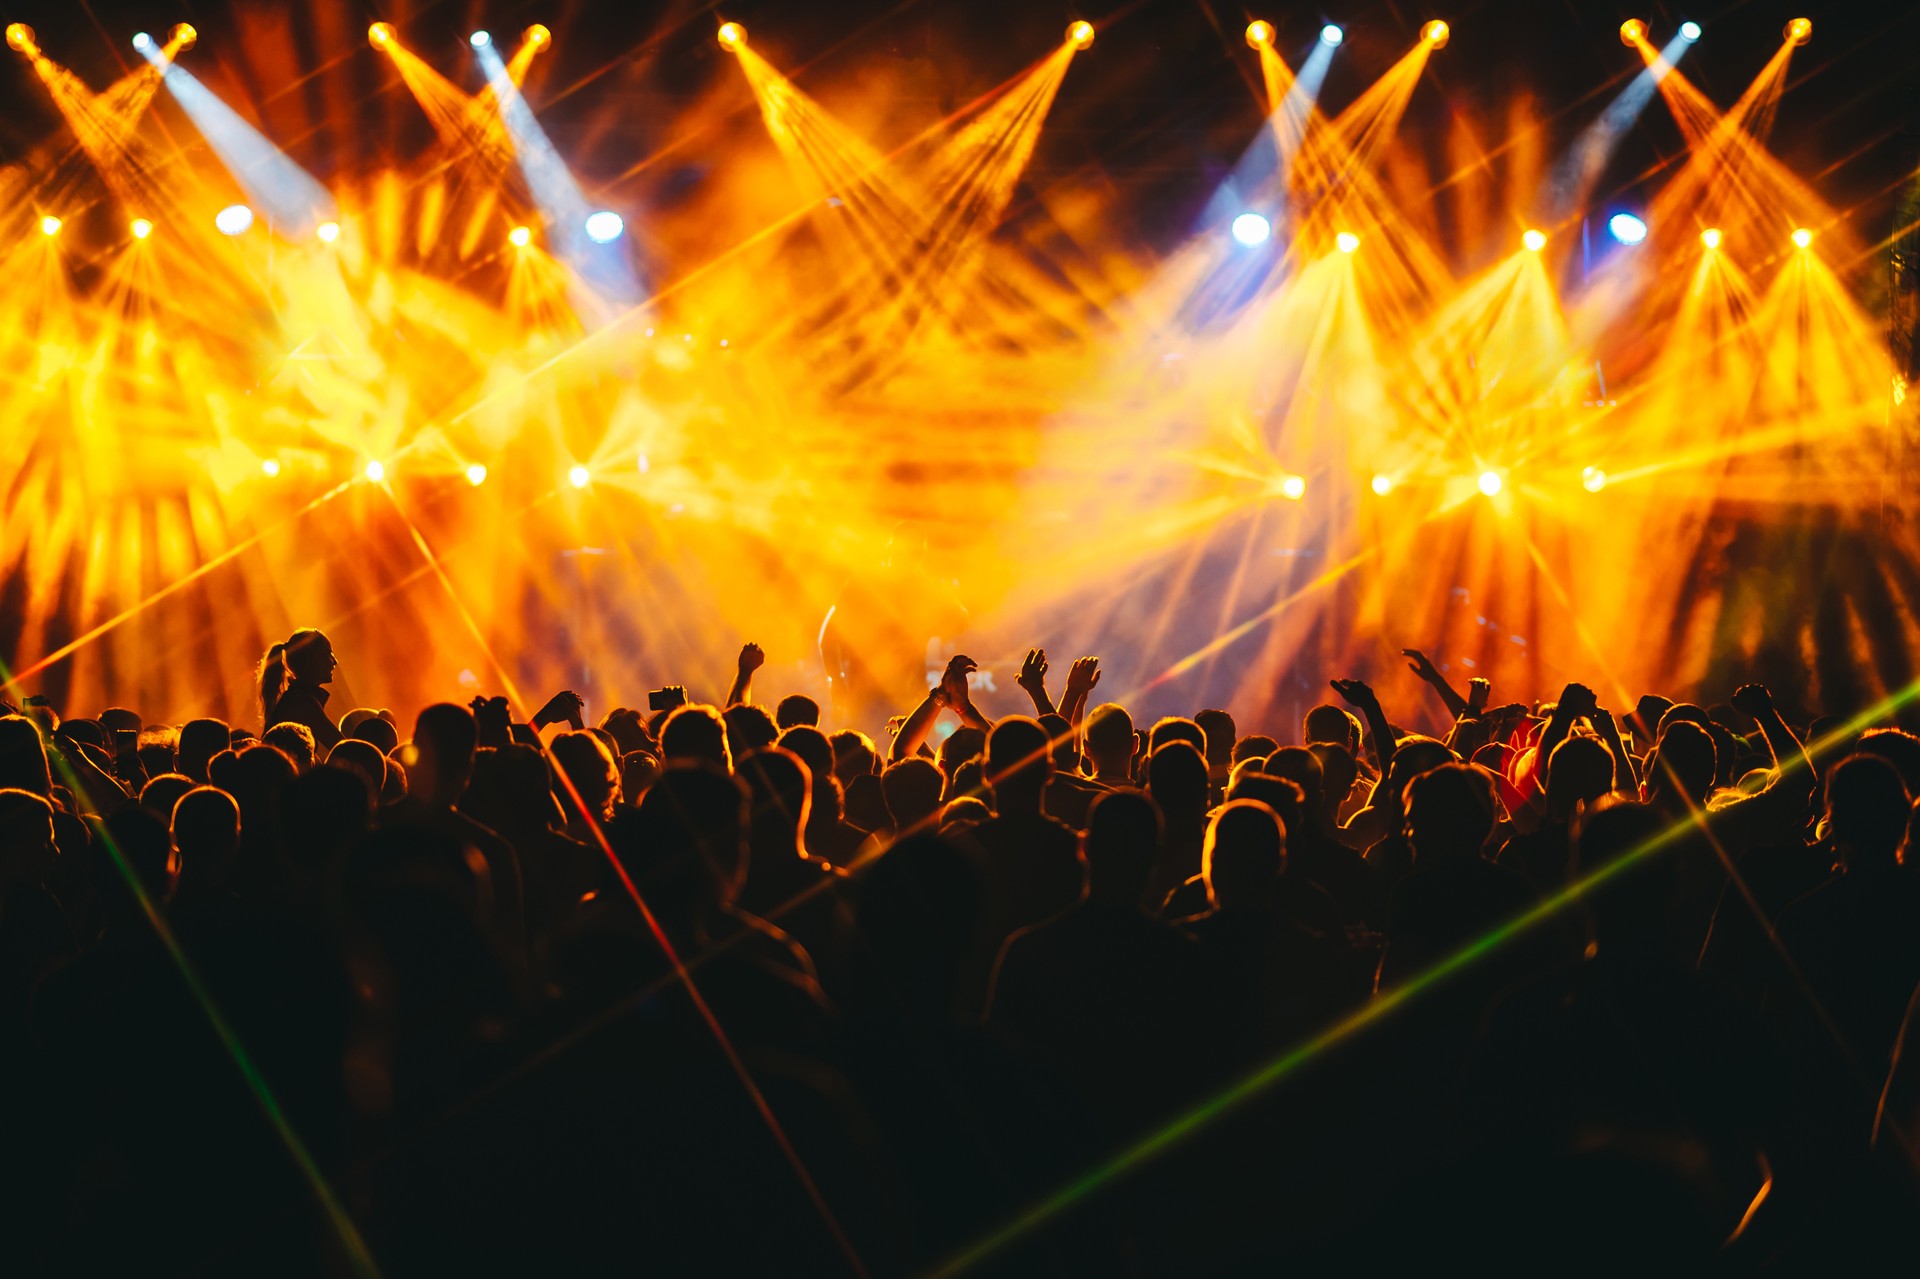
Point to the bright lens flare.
(1436, 33)
(1293, 488)
(328, 232)
(1632, 32)
(1626, 228)
(579, 476)
(536, 35)
(1346, 241)
(183, 36)
(1382, 485)
(732, 36)
(1711, 237)
(480, 39)
(1080, 35)
(1331, 34)
(476, 475)
(1490, 483)
(520, 237)
(1251, 229)
(376, 471)
(380, 35)
(233, 220)
(142, 42)
(20, 37)
(50, 225)
(604, 227)
(1534, 240)
(1689, 31)
(1799, 31)
(270, 467)
(1593, 479)
(141, 228)
(1802, 238)
(1260, 34)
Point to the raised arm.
(1380, 736)
(1081, 677)
(1417, 663)
(1756, 700)
(1625, 779)
(752, 658)
(1576, 702)
(1033, 678)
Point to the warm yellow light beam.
(1711, 237)
(1080, 35)
(1799, 31)
(1260, 34)
(1436, 33)
(141, 228)
(380, 35)
(1633, 33)
(50, 225)
(1534, 239)
(520, 237)
(1802, 237)
(20, 38)
(732, 37)
(1346, 241)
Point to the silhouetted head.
(781, 785)
(295, 740)
(963, 743)
(444, 737)
(259, 773)
(816, 752)
(1174, 728)
(1333, 725)
(378, 731)
(1123, 838)
(1629, 906)
(23, 757)
(305, 655)
(1899, 748)
(1450, 813)
(322, 812)
(696, 732)
(1244, 856)
(1579, 771)
(864, 804)
(1867, 810)
(748, 729)
(1686, 757)
(222, 769)
(796, 709)
(1303, 768)
(685, 846)
(912, 790)
(1109, 733)
(206, 835)
(1281, 794)
(1647, 714)
(1338, 771)
(1220, 734)
(200, 741)
(1177, 780)
(589, 765)
(1019, 764)
(628, 728)
(1413, 755)
(118, 719)
(638, 771)
(365, 759)
(853, 755)
(156, 750)
(27, 850)
(1256, 746)
(145, 851)
(161, 793)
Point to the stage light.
(1382, 485)
(479, 39)
(234, 219)
(1802, 237)
(1260, 34)
(1332, 34)
(1346, 241)
(1490, 483)
(380, 35)
(1293, 488)
(476, 475)
(1251, 229)
(1080, 35)
(142, 42)
(1436, 33)
(1534, 240)
(1799, 31)
(520, 237)
(604, 227)
(1633, 32)
(49, 225)
(328, 232)
(141, 228)
(578, 477)
(1626, 228)
(376, 471)
(1711, 237)
(733, 36)
(1689, 31)
(1593, 479)
(536, 35)
(270, 467)
(183, 36)
(20, 37)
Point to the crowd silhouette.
(711, 990)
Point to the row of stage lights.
(603, 227)
(1252, 229)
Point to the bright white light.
(578, 477)
(1331, 34)
(520, 237)
(1593, 479)
(1251, 229)
(270, 467)
(141, 228)
(1689, 31)
(1382, 485)
(605, 226)
(1802, 237)
(1293, 488)
(1346, 241)
(376, 472)
(50, 225)
(1490, 483)
(328, 232)
(479, 39)
(1626, 228)
(142, 42)
(234, 219)
(1711, 237)
(476, 475)
(1534, 240)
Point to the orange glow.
(1535, 240)
(1080, 35)
(20, 37)
(1799, 31)
(1711, 237)
(732, 36)
(1436, 33)
(1260, 34)
(1633, 32)
(380, 34)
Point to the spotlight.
(1251, 229)
(380, 34)
(1626, 228)
(375, 471)
(49, 225)
(1382, 485)
(733, 36)
(234, 219)
(479, 39)
(1490, 483)
(20, 37)
(1534, 240)
(536, 35)
(1293, 488)
(604, 227)
(1593, 479)
(1331, 34)
(1802, 237)
(1633, 32)
(328, 232)
(476, 475)
(578, 477)
(1346, 241)
(141, 228)
(520, 237)
(270, 467)
(183, 36)
(142, 42)
(1689, 31)
(1080, 35)
(1260, 34)
(1711, 237)
(1799, 31)
(1436, 33)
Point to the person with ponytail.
(293, 676)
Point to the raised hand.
(953, 681)
(565, 706)
(1578, 700)
(492, 721)
(1356, 693)
(1083, 675)
(752, 658)
(1033, 671)
(1417, 663)
(1752, 700)
(1479, 690)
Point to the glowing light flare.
(1689, 31)
(1293, 487)
(605, 226)
(1491, 483)
(1436, 33)
(579, 477)
(1260, 34)
(1633, 33)
(537, 36)
(270, 467)
(732, 37)
(328, 232)
(375, 471)
(1626, 228)
(183, 36)
(480, 39)
(142, 42)
(1593, 479)
(380, 35)
(1331, 34)
(1346, 242)
(1710, 237)
(235, 219)
(1802, 237)
(476, 475)
(20, 38)
(1080, 35)
(141, 228)
(1799, 31)
(1381, 485)
(50, 225)
(1534, 239)
(1251, 229)
(520, 237)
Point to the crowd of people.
(718, 989)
